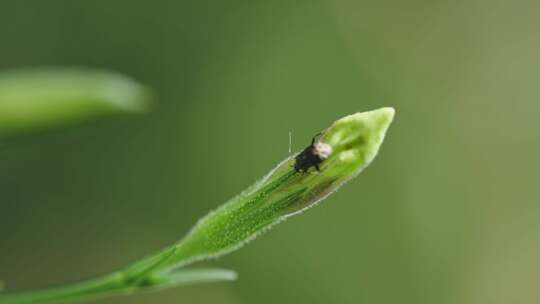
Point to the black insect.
(312, 156)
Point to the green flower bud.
(350, 144)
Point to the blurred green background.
(448, 213)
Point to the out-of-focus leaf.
(36, 98)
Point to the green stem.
(87, 289)
(119, 283)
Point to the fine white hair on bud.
(322, 150)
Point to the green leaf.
(189, 276)
(37, 98)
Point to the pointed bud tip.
(388, 112)
(356, 138)
(385, 114)
(381, 118)
(370, 122)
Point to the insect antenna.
(290, 143)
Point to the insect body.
(312, 156)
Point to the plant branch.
(351, 143)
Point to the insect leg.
(313, 139)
